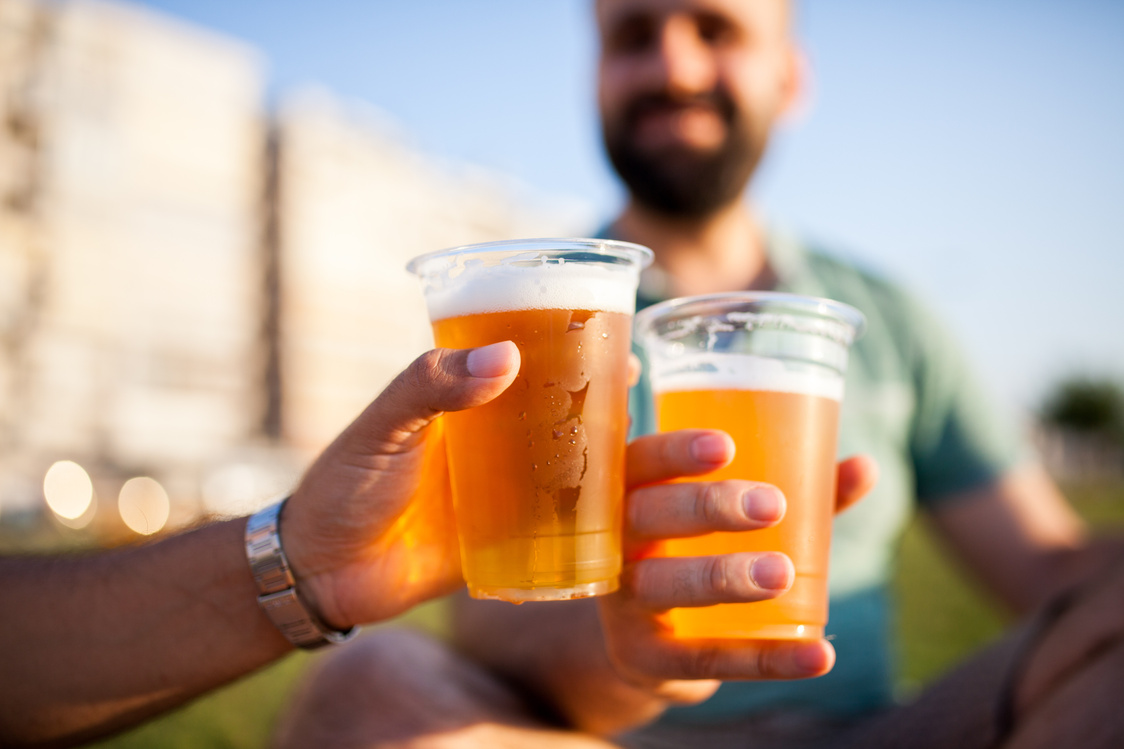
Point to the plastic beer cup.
(537, 474)
(767, 368)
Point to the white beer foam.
(743, 372)
(500, 288)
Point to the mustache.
(644, 104)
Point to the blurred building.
(354, 205)
(192, 288)
(132, 159)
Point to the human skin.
(92, 644)
(1016, 533)
(611, 663)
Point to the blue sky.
(973, 149)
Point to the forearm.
(93, 644)
(1068, 568)
(556, 651)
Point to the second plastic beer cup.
(537, 474)
(767, 368)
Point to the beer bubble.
(522, 415)
(604, 336)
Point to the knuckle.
(684, 584)
(766, 664)
(427, 368)
(630, 579)
(635, 514)
(703, 662)
(716, 576)
(669, 451)
(708, 504)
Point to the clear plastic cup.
(537, 474)
(768, 369)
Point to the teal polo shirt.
(911, 403)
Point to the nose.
(682, 62)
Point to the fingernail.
(763, 503)
(490, 361)
(711, 448)
(771, 572)
(810, 660)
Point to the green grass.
(241, 716)
(237, 717)
(942, 615)
(942, 619)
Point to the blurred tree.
(1084, 405)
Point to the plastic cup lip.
(750, 302)
(635, 254)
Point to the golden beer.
(537, 474)
(767, 369)
(784, 439)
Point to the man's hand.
(1091, 625)
(638, 642)
(370, 531)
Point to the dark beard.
(682, 184)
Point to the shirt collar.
(787, 257)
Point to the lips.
(660, 123)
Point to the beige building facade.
(192, 287)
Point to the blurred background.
(206, 208)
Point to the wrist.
(279, 593)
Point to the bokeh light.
(144, 505)
(68, 491)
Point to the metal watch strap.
(276, 586)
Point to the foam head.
(749, 341)
(531, 274)
(723, 371)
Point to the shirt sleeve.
(960, 438)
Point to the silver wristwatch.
(277, 588)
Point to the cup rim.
(733, 301)
(638, 254)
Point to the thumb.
(437, 381)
